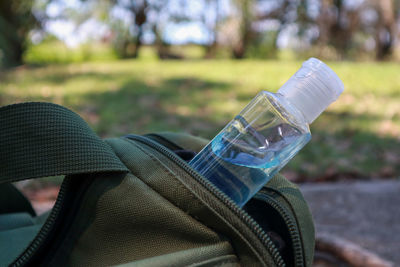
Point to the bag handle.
(44, 139)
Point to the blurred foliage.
(358, 136)
(334, 30)
(16, 21)
(263, 47)
(126, 32)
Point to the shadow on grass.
(339, 148)
(339, 156)
(197, 106)
(348, 115)
(60, 76)
(176, 104)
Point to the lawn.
(357, 137)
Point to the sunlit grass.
(54, 51)
(358, 135)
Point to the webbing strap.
(44, 139)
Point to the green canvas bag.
(134, 201)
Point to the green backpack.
(134, 201)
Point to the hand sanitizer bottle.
(268, 132)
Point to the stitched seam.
(170, 174)
(182, 185)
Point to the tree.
(212, 27)
(160, 17)
(250, 14)
(245, 17)
(337, 25)
(128, 29)
(129, 37)
(16, 21)
(386, 28)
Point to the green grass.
(358, 136)
(56, 52)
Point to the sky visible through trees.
(331, 29)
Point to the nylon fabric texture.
(44, 139)
(178, 187)
(12, 200)
(132, 202)
(182, 140)
(132, 222)
(289, 192)
(299, 207)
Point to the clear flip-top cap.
(312, 88)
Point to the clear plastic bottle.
(268, 132)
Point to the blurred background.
(139, 66)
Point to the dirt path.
(366, 213)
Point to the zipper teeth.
(162, 138)
(292, 228)
(47, 226)
(267, 242)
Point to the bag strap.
(44, 139)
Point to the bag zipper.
(36, 243)
(249, 221)
(32, 254)
(160, 139)
(263, 237)
(292, 226)
(264, 196)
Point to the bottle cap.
(312, 88)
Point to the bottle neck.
(307, 104)
(287, 109)
(293, 109)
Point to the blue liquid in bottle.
(268, 132)
(239, 164)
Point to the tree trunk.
(13, 51)
(211, 49)
(138, 43)
(239, 50)
(386, 29)
(140, 13)
(16, 20)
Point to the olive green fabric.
(44, 139)
(181, 189)
(40, 140)
(292, 197)
(139, 208)
(289, 193)
(182, 140)
(131, 222)
(189, 258)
